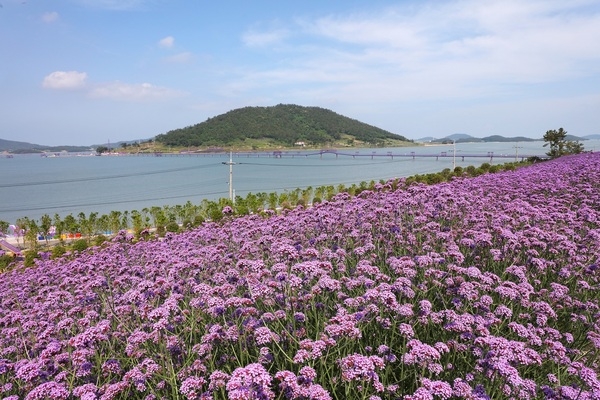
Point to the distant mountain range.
(464, 138)
(586, 137)
(15, 147)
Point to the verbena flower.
(362, 368)
(249, 383)
(48, 390)
(192, 387)
(484, 285)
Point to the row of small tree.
(35, 232)
(173, 218)
(78, 233)
(81, 231)
(164, 219)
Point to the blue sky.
(85, 72)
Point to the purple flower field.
(480, 288)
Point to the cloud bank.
(132, 92)
(434, 50)
(119, 91)
(65, 80)
(166, 42)
(50, 17)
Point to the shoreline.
(198, 191)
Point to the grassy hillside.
(281, 125)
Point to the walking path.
(10, 247)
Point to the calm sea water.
(31, 185)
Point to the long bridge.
(357, 154)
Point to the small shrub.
(198, 220)
(242, 209)
(30, 258)
(58, 251)
(5, 261)
(534, 159)
(98, 240)
(420, 178)
(215, 214)
(80, 245)
(172, 227)
(434, 178)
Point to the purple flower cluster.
(356, 367)
(477, 288)
(249, 383)
(302, 386)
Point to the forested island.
(284, 125)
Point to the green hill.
(498, 138)
(282, 125)
(464, 138)
(15, 147)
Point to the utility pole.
(230, 163)
(453, 155)
(517, 152)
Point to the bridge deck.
(299, 154)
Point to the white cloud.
(132, 92)
(390, 29)
(50, 16)
(166, 42)
(437, 50)
(180, 58)
(112, 90)
(65, 80)
(115, 5)
(259, 39)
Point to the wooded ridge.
(15, 147)
(284, 125)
